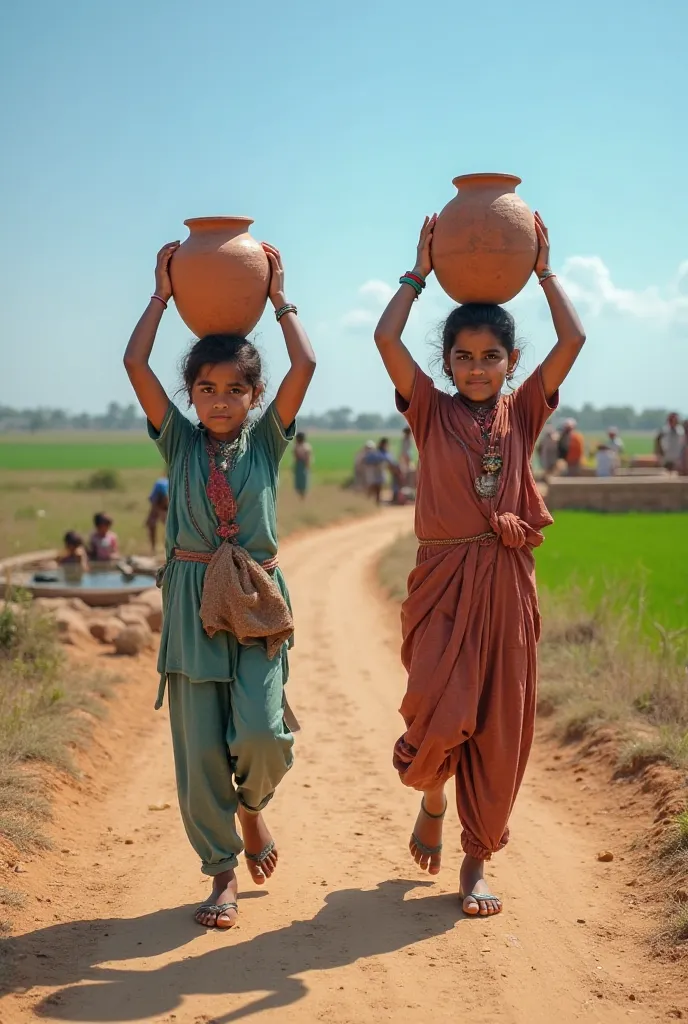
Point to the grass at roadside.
(325, 504)
(46, 711)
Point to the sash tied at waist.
(241, 597)
(507, 527)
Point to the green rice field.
(639, 561)
(333, 452)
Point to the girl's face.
(479, 364)
(223, 399)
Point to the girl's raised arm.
(149, 390)
(399, 363)
(292, 390)
(569, 329)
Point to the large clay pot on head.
(220, 276)
(484, 245)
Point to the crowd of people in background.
(375, 466)
(562, 449)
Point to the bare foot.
(213, 913)
(259, 846)
(426, 839)
(474, 886)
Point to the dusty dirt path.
(348, 930)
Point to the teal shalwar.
(231, 744)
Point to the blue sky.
(337, 127)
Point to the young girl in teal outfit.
(227, 618)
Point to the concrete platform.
(619, 494)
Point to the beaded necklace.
(487, 483)
(222, 456)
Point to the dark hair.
(300, 437)
(221, 348)
(383, 440)
(72, 539)
(102, 519)
(473, 316)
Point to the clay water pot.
(220, 276)
(484, 245)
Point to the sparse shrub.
(667, 746)
(102, 480)
(38, 697)
(676, 841)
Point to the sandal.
(260, 858)
(218, 909)
(428, 851)
(481, 897)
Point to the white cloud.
(374, 295)
(588, 281)
(359, 318)
(379, 291)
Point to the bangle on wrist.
(283, 310)
(545, 275)
(414, 280)
(159, 298)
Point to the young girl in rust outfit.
(470, 623)
(227, 621)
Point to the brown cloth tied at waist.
(240, 597)
(507, 527)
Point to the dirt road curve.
(348, 931)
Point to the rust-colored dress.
(471, 623)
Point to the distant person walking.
(671, 442)
(303, 457)
(159, 500)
